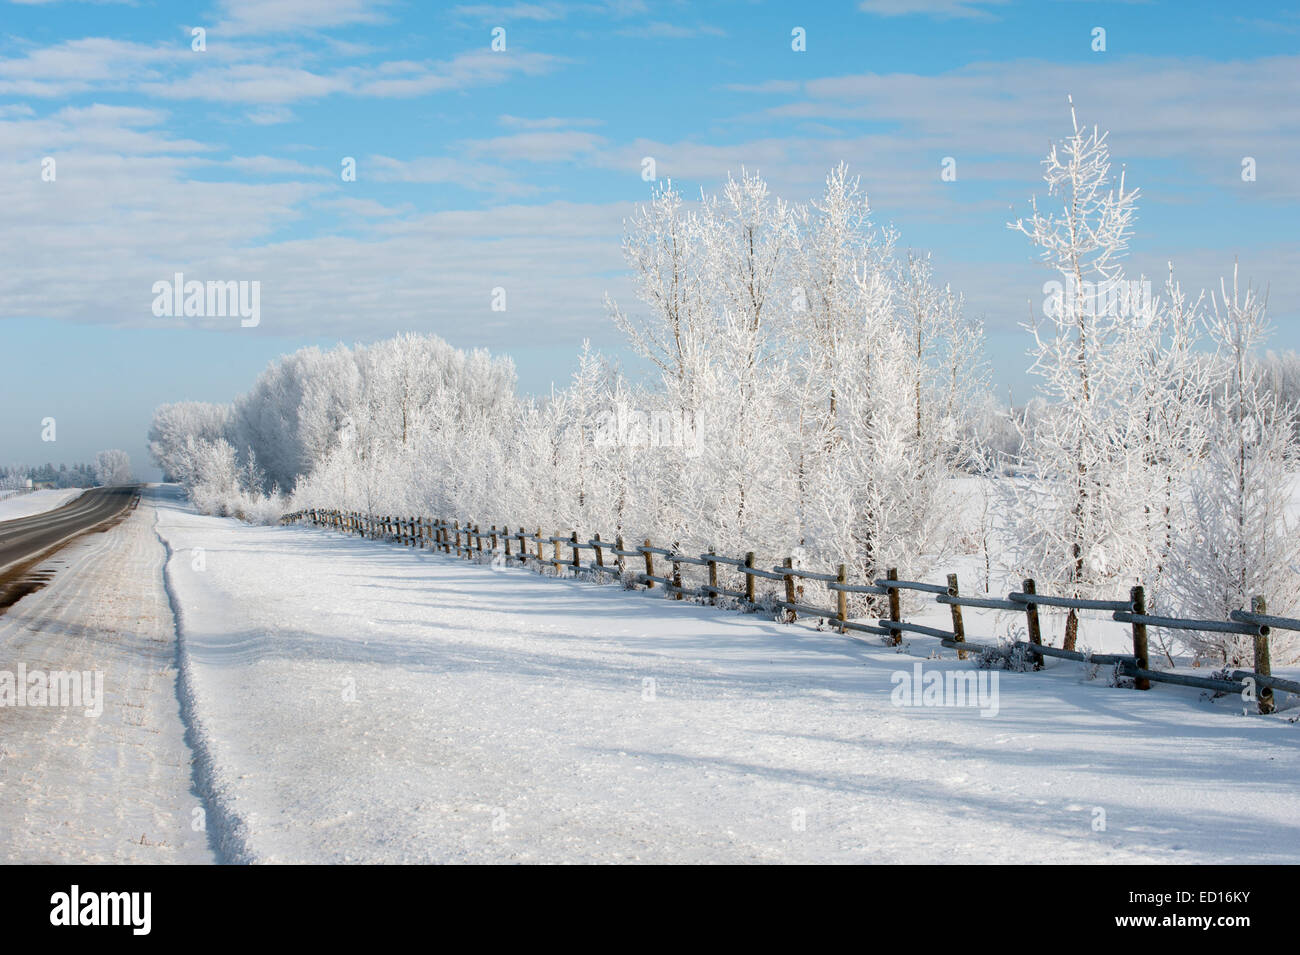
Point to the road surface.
(27, 538)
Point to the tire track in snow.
(228, 832)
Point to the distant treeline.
(78, 475)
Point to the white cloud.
(538, 146)
(300, 16)
(547, 122)
(270, 116)
(86, 65)
(503, 13)
(275, 166)
(663, 30)
(444, 169)
(938, 9)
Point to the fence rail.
(445, 536)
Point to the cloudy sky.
(479, 168)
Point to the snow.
(111, 789)
(37, 502)
(352, 701)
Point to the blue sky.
(479, 168)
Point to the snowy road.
(353, 701)
(26, 537)
(112, 788)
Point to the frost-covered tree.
(1236, 540)
(1167, 403)
(113, 467)
(175, 428)
(1075, 517)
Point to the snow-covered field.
(353, 701)
(37, 502)
(333, 699)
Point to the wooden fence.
(566, 552)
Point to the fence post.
(505, 539)
(600, 554)
(478, 537)
(541, 556)
(494, 538)
(788, 563)
(895, 606)
(1263, 659)
(1031, 623)
(749, 578)
(618, 558)
(1139, 597)
(649, 565)
(713, 579)
(842, 597)
(577, 554)
(958, 627)
(677, 572)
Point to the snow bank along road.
(24, 504)
(345, 700)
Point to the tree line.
(815, 388)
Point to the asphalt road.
(28, 537)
